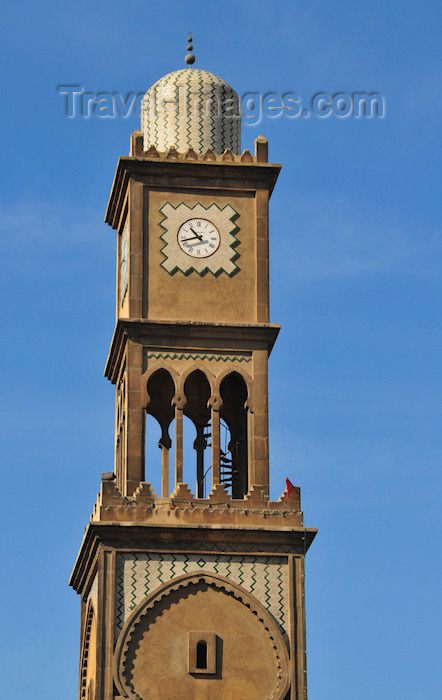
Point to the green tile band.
(197, 356)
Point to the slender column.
(250, 447)
(178, 445)
(120, 431)
(164, 471)
(260, 463)
(297, 629)
(102, 627)
(262, 255)
(301, 576)
(215, 446)
(136, 215)
(117, 460)
(199, 446)
(109, 623)
(292, 623)
(135, 420)
(124, 459)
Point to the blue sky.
(356, 257)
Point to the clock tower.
(196, 590)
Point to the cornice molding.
(136, 536)
(187, 335)
(170, 174)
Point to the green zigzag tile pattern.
(187, 129)
(281, 597)
(267, 585)
(133, 584)
(196, 356)
(241, 574)
(119, 595)
(212, 120)
(228, 572)
(253, 575)
(146, 582)
(200, 121)
(139, 574)
(214, 268)
(160, 572)
(192, 118)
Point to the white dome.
(191, 108)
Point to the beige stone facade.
(196, 591)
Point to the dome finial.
(190, 58)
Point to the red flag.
(289, 486)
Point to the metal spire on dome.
(190, 58)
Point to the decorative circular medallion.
(199, 238)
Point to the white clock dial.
(199, 238)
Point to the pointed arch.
(244, 375)
(197, 390)
(195, 367)
(152, 370)
(160, 390)
(233, 412)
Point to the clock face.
(199, 238)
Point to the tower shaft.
(196, 591)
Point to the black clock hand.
(183, 240)
(196, 234)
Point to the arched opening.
(161, 389)
(189, 435)
(153, 455)
(194, 427)
(233, 444)
(197, 392)
(201, 655)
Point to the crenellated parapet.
(138, 150)
(255, 509)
